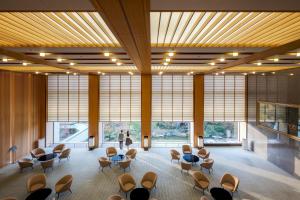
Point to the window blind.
(67, 98)
(120, 98)
(172, 98)
(224, 98)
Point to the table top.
(190, 158)
(47, 157)
(220, 194)
(118, 157)
(40, 194)
(139, 194)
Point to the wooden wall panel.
(198, 107)
(146, 106)
(23, 113)
(94, 107)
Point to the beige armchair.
(186, 149)
(64, 184)
(104, 162)
(149, 180)
(131, 153)
(230, 182)
(124, 164)
(115, 197)
(126, 182)
(36, 182)
(111, 151)
(175, 155)
(65, 154)
(24, 163)
(203, 153)
(59, 148)
(38, 152)
(200, 180)
(47, 164)
(207, 164)
(186, 166)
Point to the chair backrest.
(186, 147)
(65, 180)
(48, 163)
(126, 178)
(174, 152)
(35, 179)
(125, 163)
(198, 176)
(59, 147)
(111, 150)
(65, 153)
(228, 178)
(115, 197)
(37, 151)
(202, 151)
(150, 176)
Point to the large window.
(172, 108)
(67, 109)
(120, 106)
(224, 108)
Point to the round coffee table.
(117, 158)
(191, 158)
(47, 157)
(40, 194)
(139, 194)
(220, 194)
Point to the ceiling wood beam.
(130, 23)
(259, 56)
(34, 60)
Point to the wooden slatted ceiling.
(55, 29)
(224, 29)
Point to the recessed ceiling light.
(188, 73)
(4, 59)
(165, 63)
(291, 74)
(103, 73)
(217, 74)
(212, 63)
(222, 59)
(131, 73)
(192, 72)
(273, 72)
(37, 72)
(258, 64)
(59, 59)
(99, 72)
(75, 74)
(160, 73)
(263, 74)
(24, 63)
(67, 72)
(168, 59)
(171, 54)
(106, 54)
(235, 54)
(114, 59)
(42, 54)
(46, 74)
(253, 72)
(118, 63)
(298, 54)
(223, 72)
(276, 59)
(245, 74)
(72, 64)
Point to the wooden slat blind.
(67, 98)
(120, 98)
(224, 98)
(172, 98)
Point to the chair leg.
(70, 190)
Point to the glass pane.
(112, 129)
(70, 132)
(221, 132)
(171, 132)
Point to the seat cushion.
(228, 186)
(147, 184)
(59, 187)
(203, 184)
(128, 186)
(36, 187)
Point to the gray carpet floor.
(259, 179)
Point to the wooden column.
(146, 106)
(94, 107)
(198, 107)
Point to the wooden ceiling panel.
(55, 29)
(224, 29)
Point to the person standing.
(128, 140)
(121, 139)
